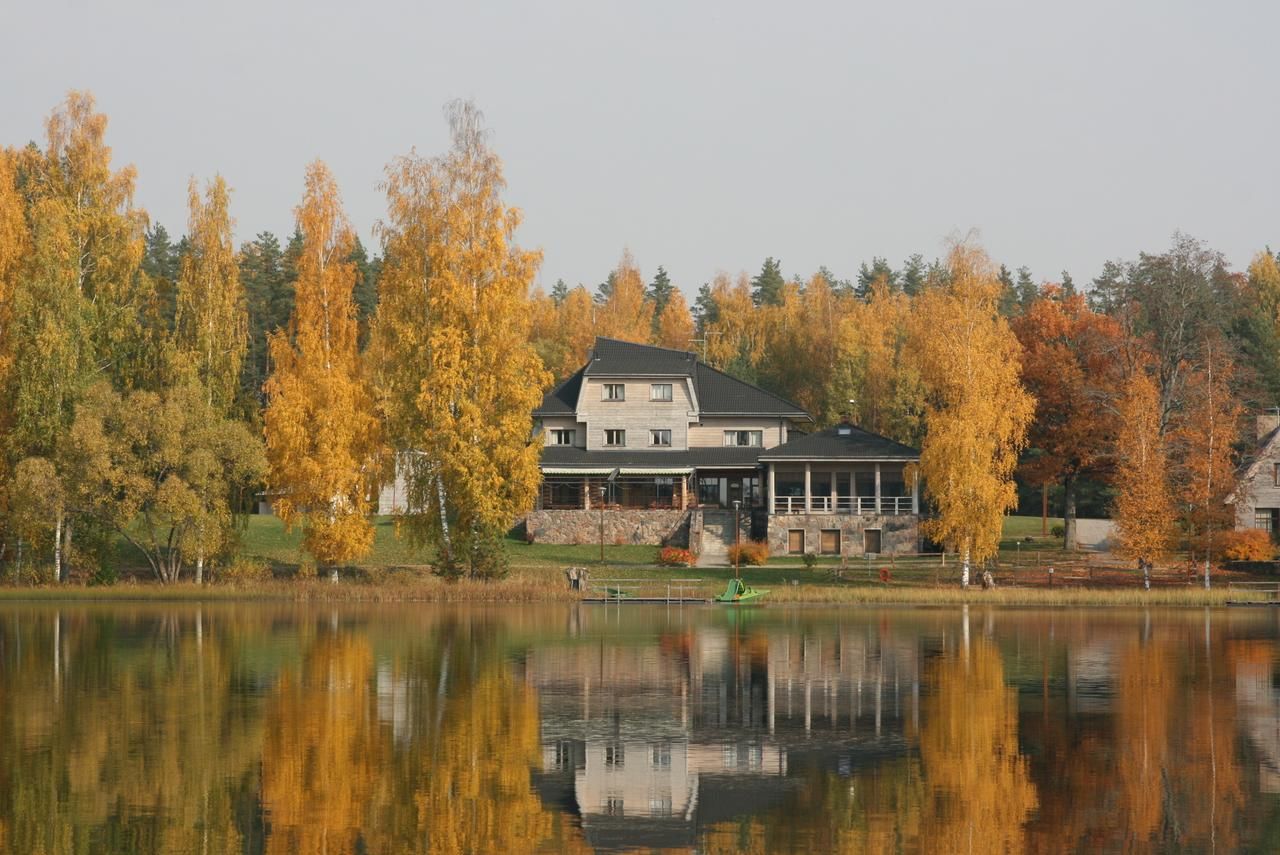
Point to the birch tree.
(675, 323)
(976, 410)
(459, 378)
(212, 333)
(323, 436)
(1143, 508)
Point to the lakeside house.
(653, 446)
(1257, 496)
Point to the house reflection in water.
(650, 742)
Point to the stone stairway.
(717, 537)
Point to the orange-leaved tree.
(1143, 509)
(1071, 363)
(976, 410)
(458, 375)
(1206, 431)
(675, 323)
(626, 313)
(323, 435)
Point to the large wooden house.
(654, 446)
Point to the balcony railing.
(889, 505)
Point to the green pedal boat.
(738, 593)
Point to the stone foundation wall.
(623, 526)
(899, 533)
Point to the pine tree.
(879, 270)
(766, 288)
(1026, 289)
(913, 275)
(269, 300)
(459, 376)
(705, 311)
(366, 289)
(162, 263)
(659, 292)
(559, 291)
(211, 322)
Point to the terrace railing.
(889, 505)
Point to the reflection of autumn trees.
(979, 786)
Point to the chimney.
(1268, 422)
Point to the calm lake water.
(248, 728)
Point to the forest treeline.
(153, 388)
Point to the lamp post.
(603, 488)
(737, 530)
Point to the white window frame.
(563, 436)
(731, 438)
(655, 393)
(607, 390)
(654, 436)
(621, 435)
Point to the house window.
(660, 805)
(660, 756)
(831, 541)
(1275, 474)
(795, 541)
(871, 541)
(1262, 519)
(615, 436)
(562, 436)
(613, 805)
(615, 755)
(660, 392)
(614, 392)
(660, 438)
(752, 438)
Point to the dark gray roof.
(563, 399)
(718, 393)
(843, 442)
(613, 357)
(699, 458)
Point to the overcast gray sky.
(704, 136)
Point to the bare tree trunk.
(444, 522)
(1070, 539)
(57, 547)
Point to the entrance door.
(871, 541)
(830, 541)
(735, 493)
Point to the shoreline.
(525, 591)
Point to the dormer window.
(614, 392)
(660, 392)
(844, 430)
(562, 436)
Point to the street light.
(737, 530)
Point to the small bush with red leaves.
(674, 556)
(754, 553)
(1251, 544)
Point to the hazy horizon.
(707, 137)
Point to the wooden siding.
(709, 433)
(637, 415)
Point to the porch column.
(772, 503)
(808, 487)
(586, 494)
(877, 488)
(915, 493)
(833, 490)
(684, 492)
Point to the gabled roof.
(1263, 452)
(717, 393)
(842, 442)
(613, 357)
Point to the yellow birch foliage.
(626, 315)
(212, 320)
(981, 783)
(322, 432)
(459, 376)
(736, 337)
(977, 411)
(15, 244)
(675, 323)
(1143, 509)
(1145, 698)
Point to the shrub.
(242, 570)
(810, 560)
(674, 556)
(1059, 531)
(1251, 544)
(754, 553)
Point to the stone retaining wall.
(623, 526)
(898, 533)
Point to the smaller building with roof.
(649, 445)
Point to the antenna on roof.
(703, 341)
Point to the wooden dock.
(623, 591)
